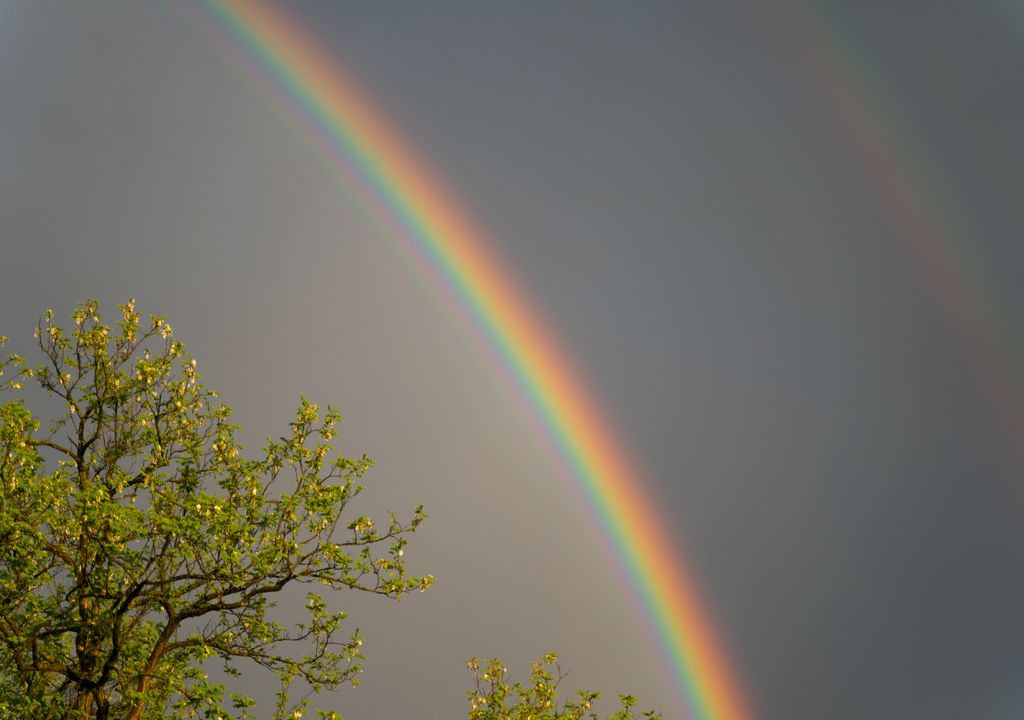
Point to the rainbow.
(929, 229)
(436, 228)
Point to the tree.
(137, 542)
(495, 698)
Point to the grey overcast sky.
(676, 187)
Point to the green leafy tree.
(495, 697)
(137, 543)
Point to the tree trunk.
(83, 704)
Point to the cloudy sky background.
(671, 184)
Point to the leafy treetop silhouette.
(136, 540)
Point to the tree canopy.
(137, 541)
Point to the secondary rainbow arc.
(908, 190)
(432, 221)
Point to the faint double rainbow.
(363, 142)
(925, 219)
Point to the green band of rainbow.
(438, 229)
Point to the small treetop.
(137, 541)
(495, 697)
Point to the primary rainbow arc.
(434, 225)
